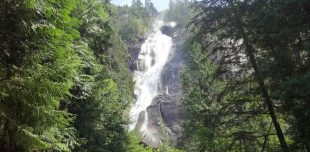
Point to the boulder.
(168, 30)
(134, 51)
(153, 135)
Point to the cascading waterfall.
(152, 58)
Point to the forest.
(66, 85)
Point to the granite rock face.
(134, 50)
(153, 138)
(168, 30)
(166, 114)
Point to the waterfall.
(152, 58)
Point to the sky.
(159, 4)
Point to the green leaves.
(222, 115)
(250, 43)
(30, 141)
(132, 22)
(103, 83)
(42, 79)
(179, 11)
(64, 80)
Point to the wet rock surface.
(153, 138)
(166, 114)
(134, 50)
(168, 30)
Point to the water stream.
(152, 58)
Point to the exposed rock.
(166, 114)
(153, 137)
(173, 30)
(167, 30)
(171, 114)
(140, 120)
(134, 50)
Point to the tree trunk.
(304, 137)
(266, 137)
(266, 97)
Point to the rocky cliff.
(166, 114)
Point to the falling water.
(152, 58)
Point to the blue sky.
(159, 4)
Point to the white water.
(152, 58)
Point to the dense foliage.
(134, 144)
(225, 112)
(64, 81)
(38, 64)
(246, 85)
(134, 21)
(179, 11)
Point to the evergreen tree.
(260, 40)
(64, 81)
(223, 115)
(38, 65)
(97, 101)
(179, 11)
(132, 22)
(137, 4)
(150, 8)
